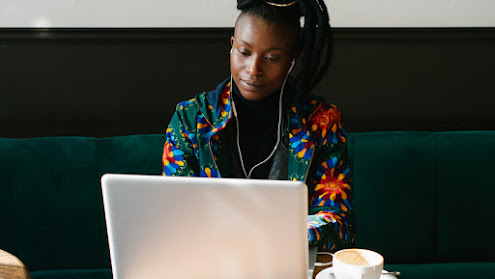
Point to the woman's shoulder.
(186, 105)
(206, 99)
(324, 120)
(313, 103)
(207, 108)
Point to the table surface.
(322, 259)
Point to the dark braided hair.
(315, 43)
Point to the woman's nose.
(255, 67)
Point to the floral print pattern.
(321, 219)
(192, 138)
(204, 127)
(173, 157)
(333, 185)
(325, 123)
(299, 137)
(207, 172)
(224, 104)
(224, 113)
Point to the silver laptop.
(205, 228)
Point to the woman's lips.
(251, 85)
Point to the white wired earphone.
(248, 175)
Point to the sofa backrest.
(425, 196)
(50, 195)
(420, 196)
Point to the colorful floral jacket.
(317, 156)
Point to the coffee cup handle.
(324, 264)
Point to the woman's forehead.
(252, 29)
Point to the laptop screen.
(185, 227)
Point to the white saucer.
(327, 273)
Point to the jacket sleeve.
(180, 151)
(330, 223)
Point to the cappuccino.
(354, 257)
(357, 264)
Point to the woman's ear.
(232, 41)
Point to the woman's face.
(261, 56)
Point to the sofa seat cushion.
(444, 270)
(104, 273)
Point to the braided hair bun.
(316, 43)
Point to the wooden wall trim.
(143, 35)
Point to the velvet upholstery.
(466, 197)
(51, 187)
(394, 182)
(425, 200)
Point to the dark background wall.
(105, 82)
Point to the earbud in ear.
(230, 51)
(293, 61)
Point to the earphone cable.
(248, 175)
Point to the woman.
(259, 123)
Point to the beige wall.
(222, 13)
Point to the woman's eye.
(244, 53)
(272, 59)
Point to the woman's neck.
(264, 108)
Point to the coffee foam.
(354, 257)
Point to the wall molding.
(204, 35)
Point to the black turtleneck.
(258, 122)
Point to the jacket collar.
(216, 106)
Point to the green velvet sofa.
(425, 200)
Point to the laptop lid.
(187, 227)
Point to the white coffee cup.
(357, 264)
